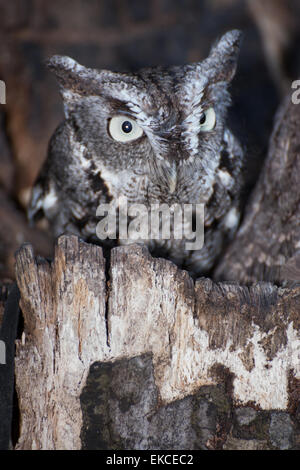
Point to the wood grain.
(198, 334)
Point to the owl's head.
(168, 120)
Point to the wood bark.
(267, 245)
(197, 335)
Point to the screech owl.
(157, 135)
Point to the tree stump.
(150, 359)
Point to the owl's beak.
(172, 178)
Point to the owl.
(156, 136)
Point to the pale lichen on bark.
(153, 307)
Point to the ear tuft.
(229, 40)
(67, 70)
(57, 62)
(224, 55)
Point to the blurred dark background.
(125, 35)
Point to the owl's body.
(156, 136)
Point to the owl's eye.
(124, 129)
(208, 120)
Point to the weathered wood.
(267, 245)
(198, 334)
(63, 304)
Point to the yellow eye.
(208, 120)
(124, 129)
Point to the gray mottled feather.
(85, 166)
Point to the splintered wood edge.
(196, 332)
(63, 305)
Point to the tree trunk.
(150, 359)
(267, 245)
